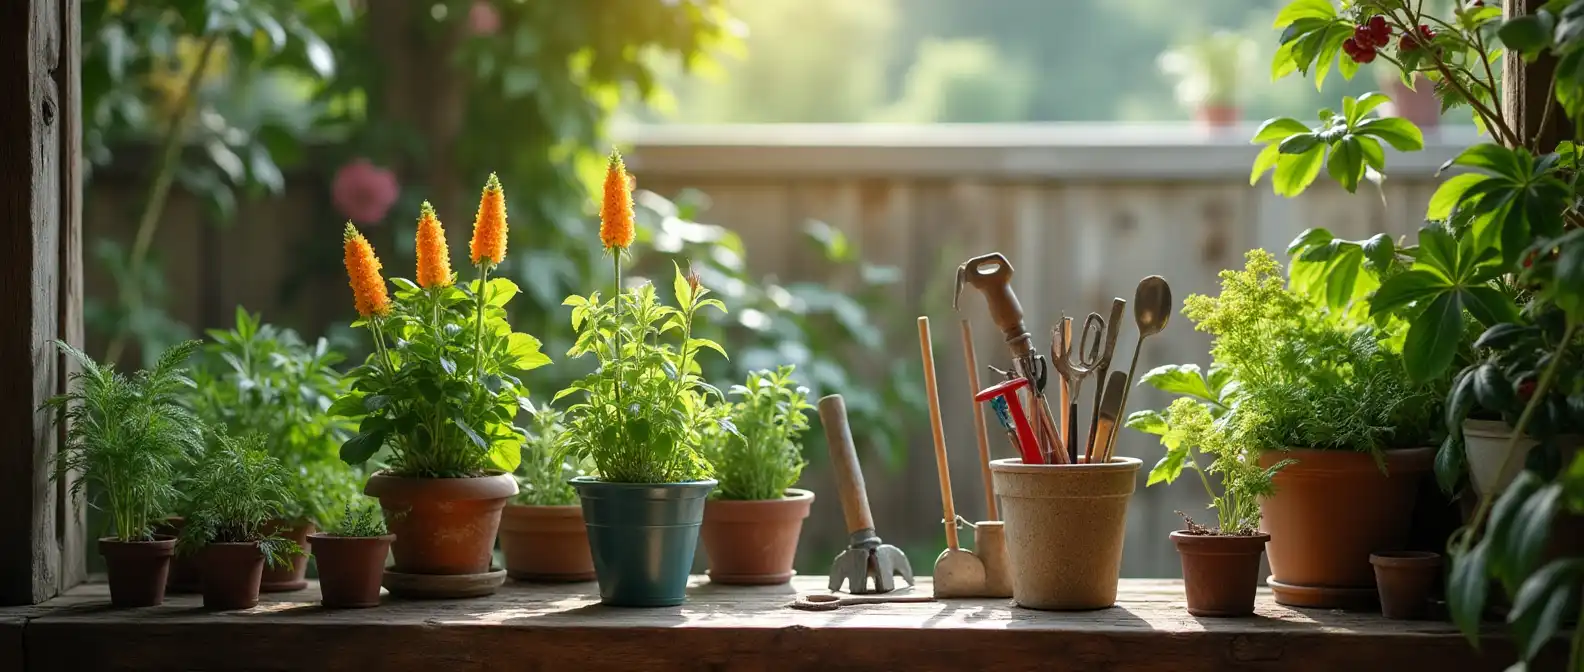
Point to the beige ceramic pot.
(1065, 525)
(1485, 446)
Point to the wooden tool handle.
(844, 459)
(948, 509)
(980, 433)
(991, 274)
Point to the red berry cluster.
(1367, 38)
(1526, 389)
(1420, 38)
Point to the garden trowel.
(866, 557)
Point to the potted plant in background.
(263, 379)
(1220, 564)
(752, 520)
(351, 555)
(1210, 72)
(640, 420)
(237, 491)
(125, 437)
(542, 533)
(440, 392)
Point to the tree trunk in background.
(1526, 90)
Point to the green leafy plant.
(542, 478)
(127, 436)
(763, 457)
(1210, 70)
(237, 491)
(1192, 426)
(361, 519)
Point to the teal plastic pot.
(642, 537)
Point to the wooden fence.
(1082, 211)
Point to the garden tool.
(1109, 408)
(958, 572)
(991, 274)
(1152, 306)
(1004, 417)
(823, 602)
(980, 434)
(1007, 394)
(1113, 327)
(1074, 373)
(866, 557)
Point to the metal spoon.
(1152, 307)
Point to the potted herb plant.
(238, 489)
(351, 557)
(1210, 72)
(440, 392)
(1325, 392)
(260, 378)
(752, 520)
(125, 437)
(640, 419)
(1220, 564)
(542, 533)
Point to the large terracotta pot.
(294, 575)
(1220, 571)
(442, 525)
(754, 542)
(546, 543)
(1065, 524)
(137, 569)
(1331, 510)
(231, 574)
(350, 569)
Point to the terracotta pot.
(1331, 510)
(1065, 524)
(350, 569)
(1405, 580)
(1218, 116)
(546, 543)
(293, 576)
(231, 575)
(442, 525)
(137, 569)
(1485, 447)
(753, 543)
(1220, 571)
(186, 572)
(1418, 105)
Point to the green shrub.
(763, 457)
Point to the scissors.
(1092, 337)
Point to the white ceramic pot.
(1485, 446)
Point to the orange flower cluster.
(434, 258)
(489, 227)
(616, 211)
(363, 270)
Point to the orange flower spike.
(363, 272)
(489, 227)
(616, 211)
(434, 258)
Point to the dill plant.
(763, 457)
(362, 519)
(237, 490)
(127, 436)
(544, 475)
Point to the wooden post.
(42, 552)
(1527, 90)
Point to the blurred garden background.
(824, 164)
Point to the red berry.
(1526, 389)
(1476, 4)
(1362, 36)
(1416, 39)
(1379, 32)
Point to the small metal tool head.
(865, 560)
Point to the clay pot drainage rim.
(1405, 559)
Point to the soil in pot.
(1406, 580)
(442, 525)
(1331, 510)
(186, 575)
(292, 576)
(546, 543)
(231, 575)
(643, 537)
(1220, 571)
(137, 569)
(350, 569)
(754, 542)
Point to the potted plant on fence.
(640, 420)
(440, 392)
(351, 555)
(542, 532)
(238, 489)
(1210, 72)
(1220, 564)
(752, 520)
(125, 437)
(1324, 391)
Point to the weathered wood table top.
(531, 627)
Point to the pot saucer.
(443, 586)
(1324, 597)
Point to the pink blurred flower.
(483, 18)
(363, 192)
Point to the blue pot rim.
(591, 480)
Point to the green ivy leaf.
(1278, 129)
(1543, 602)
(1186, 379)
(1379, 252)
(1501, 336)
(1169, 467)
(1527, 34)
(1304, 9)
(1466, 590)
(523, 351)
(1491, 158)
(1398, 132)
(1403, 289)
(1346, 163)
(1460, 401)
(1433, 338)
(1354, 110)
(1530, 531)
(1295, 172)
(1149, 422)
(1264, 162)
(360, 448)
(1492, 389)
(1447, 196)
(1309, 238)
(1450, 462)
(501, 291)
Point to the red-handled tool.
(1008, 391)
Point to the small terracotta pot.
(1065, 524)
(350, 569)
(293, 576)
(1405, 580)
(1220, 571)
(186, 572)
(137, 569)
(753, 543)
(231, 574)
(1331, 510)
(442, 525)
(1218, 116)
(546, 543)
